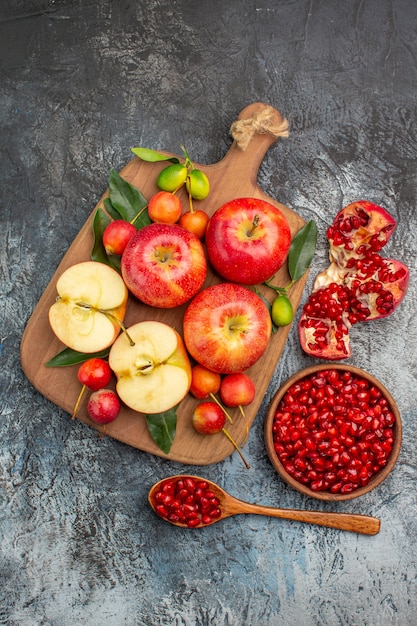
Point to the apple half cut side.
(90, 306)
(227, 328)
(154, 374)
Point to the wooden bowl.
(376, 479)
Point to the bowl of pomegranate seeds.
(333, 432)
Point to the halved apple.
(90, 306)
(154, 374)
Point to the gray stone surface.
(82, 82)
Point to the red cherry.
(94, 373)
(117, 235)
(103, 406)
(164, 208)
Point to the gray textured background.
(82, 82)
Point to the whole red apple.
(226, 328)
(164, 265)
(247, 240)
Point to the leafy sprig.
(126, 202)
(300, 256)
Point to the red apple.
(164, 265)
(227, 328)
(247, 240)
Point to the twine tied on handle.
(261, 122)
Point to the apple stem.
(77, 404)
(213, 397)
(236, 447)
(255, 223)
(85, 305)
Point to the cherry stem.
(188, 162)
(280, 290)
(176, 189)
(138, 214)
(236, 448)
(77, 404)
(242, 412)
(190, 198)
(213, 397)
(85, 305)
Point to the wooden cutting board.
(232, 177)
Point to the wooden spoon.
(229, 505)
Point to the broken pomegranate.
(359, 285)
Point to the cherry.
(195, 221)
(117, 235)
(103, 406)
(209, 419)
(197, 184)
(164, 207)
(93, 374)
(204, 384)
(187, 500)
(333, 431)
(282, 312)
(237, 390)
(172, 177)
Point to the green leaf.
(68, 356)
(302, 250)
(162, 428)
(153, 156)
(111, 210)
(98, 253)
(100, 221)
(126, 198)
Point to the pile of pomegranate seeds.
(333, 431)
(188, 501)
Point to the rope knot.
(260, 123)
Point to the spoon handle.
(363, 524)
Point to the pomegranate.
(188, 501)
(359, 285)
(333, 430)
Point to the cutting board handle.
(256, 128)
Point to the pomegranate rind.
(358, 286)
(357, 228)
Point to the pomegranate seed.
(187, 501)
(332, 449)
